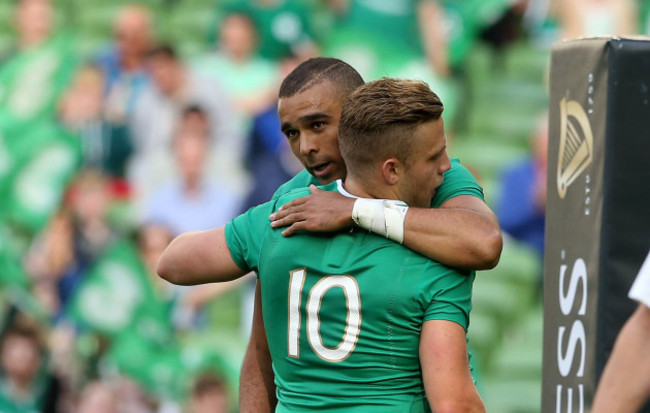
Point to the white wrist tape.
(381, 216)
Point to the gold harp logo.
(576, 144)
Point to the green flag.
(11, 270)
(170, 368)
(15, 284)
(43, 159)
(116, 297)
(158, 368)
(32, 81)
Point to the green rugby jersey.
(457, 181)
(343, 312)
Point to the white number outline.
(296, 284)
(353, 318)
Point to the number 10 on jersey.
(314, 300)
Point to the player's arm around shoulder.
(460, 230)
(199, 257)
(463, 233)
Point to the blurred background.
(124, 124)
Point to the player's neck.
(363, 188)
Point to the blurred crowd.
(107, 152)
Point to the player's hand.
(322, 211)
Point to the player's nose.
(445, 165)
(308, 144)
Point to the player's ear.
(391, 170)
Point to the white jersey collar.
(342, 191)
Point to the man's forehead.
(304, 105)
(323, 90)
(432, 134)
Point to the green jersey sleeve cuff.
(452, 297)
(235, 246)
(459, 317)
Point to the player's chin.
(327, 173)
(436, 186)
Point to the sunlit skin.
(426, 165)
(413, 180)
(310, 122)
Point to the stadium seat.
(486, 155)
(513, 383)
(95, 20)
(6, 41)
(484, 335)
(502, 297)
(191, 24)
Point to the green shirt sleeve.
(246, 233)
(457, 181)
(302, 180)
(450, 296)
